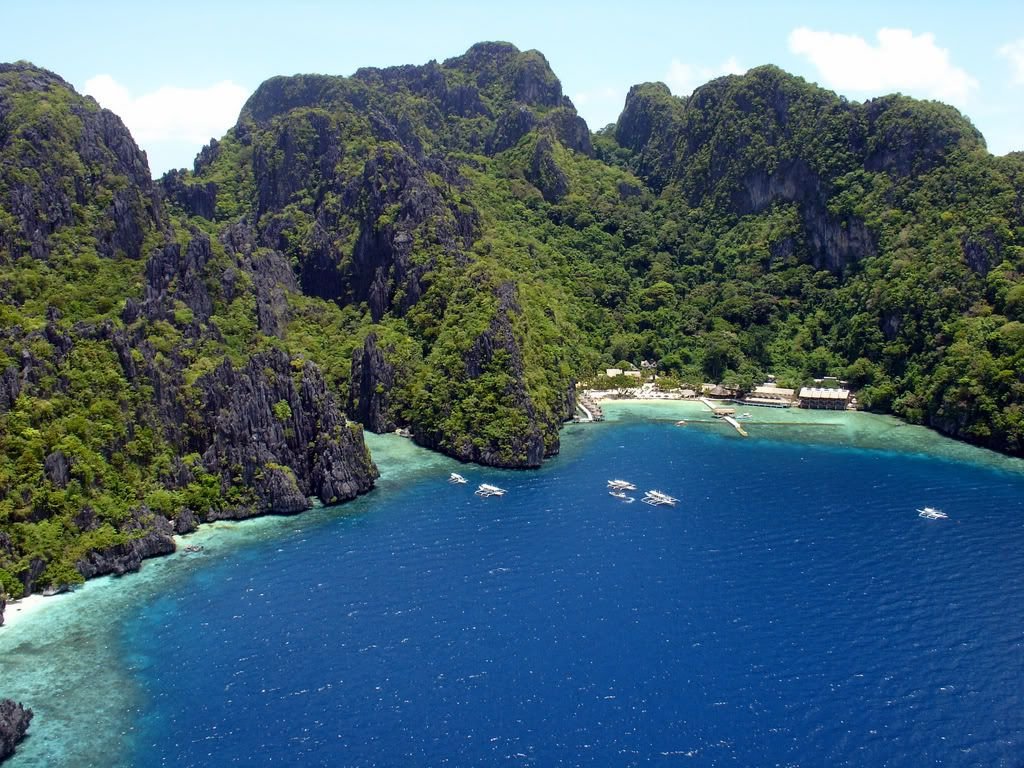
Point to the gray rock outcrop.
(14, 722)
(370, 387)
(155, 539)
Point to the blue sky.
(177, 72)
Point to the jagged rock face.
(501, 335)
(154, 538)
(10, 387)
(85, 520)
(269, 271)
(58, 468)
(649, 125)
(570, 129)
(3, 605)
(356, 185)
(255, 426)
(287, 441)
(526, 448)
(373, 378)
(70, 173)
(194, 199)
(14, 722)
(185, 270)
(53, 161)
(707, 142)
(511, 90)
(381, 263)
(358, 247)
(527, 75)
(394, 204)
(513, 124)
(519, 120)
(982, 250)
(544, 172)
(31, 574)
(834, 242)
(304, 149)
(906, 137)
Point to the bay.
(793, 609)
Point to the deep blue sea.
(792, 610)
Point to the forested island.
(449, 248)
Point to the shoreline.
(849, 429)
(64, 658)
(604, 397)
(398, 457)
(20, 610)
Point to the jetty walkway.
(592, 410)
(724, 414)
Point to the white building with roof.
(824, 398)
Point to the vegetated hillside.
(453, 249)
(763, 225)
(808, 235)
(129, 408)
(392, 194)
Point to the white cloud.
(1014, 53)
(171, 115)
(900, 61)
(601, 105)
(598, 95)
(683, 78)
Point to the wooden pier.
(726, 414)
(735, 424)
(591, 410)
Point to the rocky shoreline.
(14, 722)
(128, 557)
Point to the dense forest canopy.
(449, 248)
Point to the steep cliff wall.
(129, 339)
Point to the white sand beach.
(18, 611)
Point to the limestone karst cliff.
(447, 248)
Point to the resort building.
(611, 372)
(717, 391)
(824, 398)
(771, 395)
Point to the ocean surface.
(792, 610)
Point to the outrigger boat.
(486, 490)
(455, 477)
(931, 513)
(622, 496)
(621, 485)
(658, 499)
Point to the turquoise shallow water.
(792, 610)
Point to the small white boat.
(659, 499)
(621, 485)
(621, 496)
(486, 490)
(931, 513)
(455, 477)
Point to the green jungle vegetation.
(454, 249)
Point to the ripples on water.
(793, 610)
